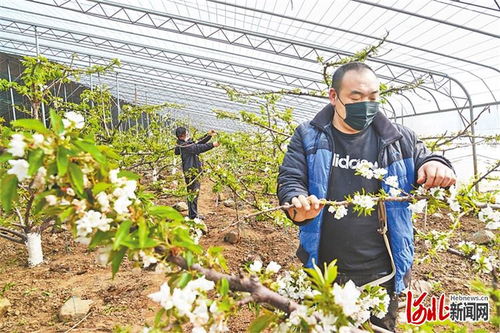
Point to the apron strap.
(382, 216)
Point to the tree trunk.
(34, 245)
(155, 174)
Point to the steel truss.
(212, 71)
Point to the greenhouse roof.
(182, 51)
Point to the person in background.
(191, 164)
(320, 163)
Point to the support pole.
(11, 93)
(37, 54)
(118, 100)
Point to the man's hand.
(212, 132)
(304, 208)
(216, 144)
(434, 173)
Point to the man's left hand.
(434, 173)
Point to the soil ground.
(69, 269)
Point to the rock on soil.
(75, 308)
(4, 306)
(181, 206)
(483, 237)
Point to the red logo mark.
(436, 311)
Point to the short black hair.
(351, 66)
(180, 131)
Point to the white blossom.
(418, 207)
(163, 297)
(75, 119)
(394, 192)
(365, 169)
(488, 214)
(199, 316)
(485, 264)
(364, 201)
(273, 267)
(40, 176)
(392, 181)
(437, 192)
(19, 168)
(90, 220)
(103, 201)
(121, 205)
(493, 225)
(17, 145)
(70, 192)
(38, 139)
(299, 314)
(80, 205)
(346, 297)
(113, 176)
(421, 190)
(454, 205)
(379, 173)
(256, 266)
(201, 284)
(340, 211)
(183, 300)
(51, 200)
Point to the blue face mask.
(360, 115)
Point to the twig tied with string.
(324, 202)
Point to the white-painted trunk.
(155, 174)
(34, 245)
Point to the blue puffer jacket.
(306, 170)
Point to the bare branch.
(15, 235)
(259, 292)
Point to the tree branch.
(17, 236)
(260, 293)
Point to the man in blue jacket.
(320, 163)
(191, 164)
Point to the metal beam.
(317, 24)
(401, 11)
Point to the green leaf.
(128, 174)
(331, 273)
(143, 233)
(92, 150)
(62, 161)
(188, 256)
(158, 316)
(99, 187)
(121, 234)
(66, 213)
(39, 202)
(117, 260)
(31, 124)
(56, 122)
(35, 159)
(224, 287)
(184, 279)
(98, 237)
(260, 323)
(109, 152)
(76, 177)
(9, 191)
(5, 157)
(165, 212)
